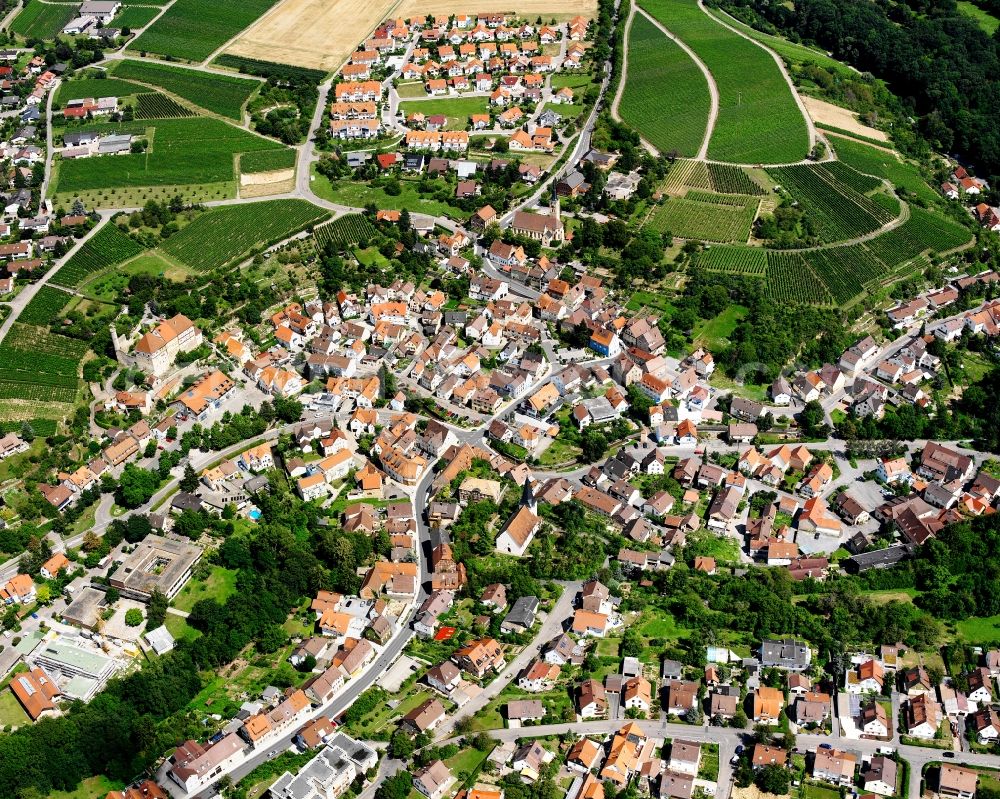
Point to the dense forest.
(939, 62)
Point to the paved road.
(549, 629)
(29, 291)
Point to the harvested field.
(265, 184)
(311, 33)
(843, 118)
(561, 10)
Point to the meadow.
(193, 29)
(457, 109)
(106, 248)
(42, 20)
(183, 152)
(759, 120)
(665, 97)
(221, 94)
(222, 236)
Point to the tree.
(156, 612)
(593, 444)
(773, 779)
(189, 482)
(136, 486)
(111, 596)
(811, 420)
(27, 432)
(401, 745)
(133, 617)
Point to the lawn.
(90, 788)
(358, 195)
(979, 629)
(558, 452)
(11, 712)
(986, 20)
(663, 626)
(715, 333)
(671, 121)
(193, 29)
(408, 90)
(179, 628)
(382, 716)
(467, 761)
(193, 151)
(723, 548)
(811, 790)
(220, 585)
(457, 109)
(759, 120)
(104, 286)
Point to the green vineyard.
(152, 105)
(729, 179)
(222, 236)
(838, 211)
(108, 247)
(838, 275)
(706, 217)
(349, 229)
(44, 306)
(749, 261)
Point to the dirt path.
(713, 90)
(810, 126)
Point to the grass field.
(11, 712)
(715, 332)
(979, 629)
(759, 121)
(359, 195)
(457, 109)
(220, 585)
(222, 94)
(42, 20)
(134, 17)
(986, 20)
(95, 87)
(193, 29)
(669, 120)
(183, 152)
(224, 235)
(90, 788)
(873, 161)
